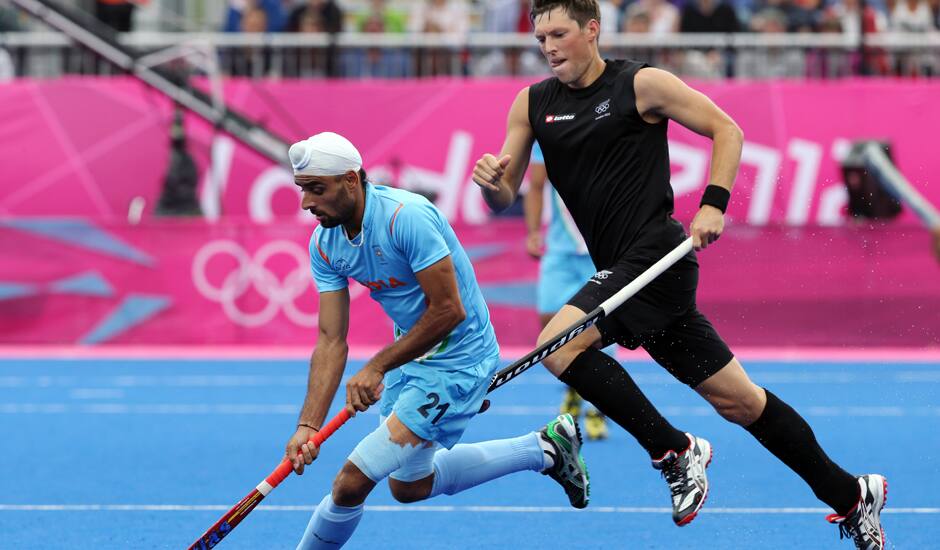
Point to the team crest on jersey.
(558, 118)
(342, 265)
(379, 254)
(602, 106)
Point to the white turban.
(325, 154)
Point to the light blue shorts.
(436, 404)
(560, 277)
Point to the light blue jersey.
(566, 265)
(563, 236)
(402, 234)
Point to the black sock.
(602, 381)
(785, 434)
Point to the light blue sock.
(467, 466)
(331, 525)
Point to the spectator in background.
(254, 20)
(379, 62)
(888, 7)
(663, 16)
(913, 16)
(508, 16)
(707, 16)
(805, 16)
(327, 11)
(654, 18)
(311, 22)
(447, 17)
(381, 18)
(329, 18)
(783, 7)
(612, 13)
(117, 14)
(847, 17)
(770, 62)
(273, 14)
(439, 16)
(636, 22)
(252, 61)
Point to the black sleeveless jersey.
(610, 167)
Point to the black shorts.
(662, 318)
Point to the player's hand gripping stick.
(234, 516)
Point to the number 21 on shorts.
(425, 409)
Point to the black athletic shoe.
(563, 437)
(863, 523)
(685, 474)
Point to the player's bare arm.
(326, 369)
(444, 312)
(532, 208)
(659, 95)
(500, 177)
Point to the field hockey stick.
(601, 311)
(233, 517)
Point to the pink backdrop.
(83, 148)
(86, 147)
(175, 282)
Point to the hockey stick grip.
(285, 467)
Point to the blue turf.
(205, 432)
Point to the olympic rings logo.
(254, 273)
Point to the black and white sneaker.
(561, 441)
(863, 523)
(685, 474)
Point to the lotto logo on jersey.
(558, 118)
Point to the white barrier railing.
(345, 54)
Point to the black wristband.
(717, 196)
(308, 426)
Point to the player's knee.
(554, 364)
(559, 360)
(742, 409)
(350, 488)
(408, 492)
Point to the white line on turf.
(437, 509)
(888, 356)
(496, 410)
(534, 379)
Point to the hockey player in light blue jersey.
(432, 379)
(563, 267)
